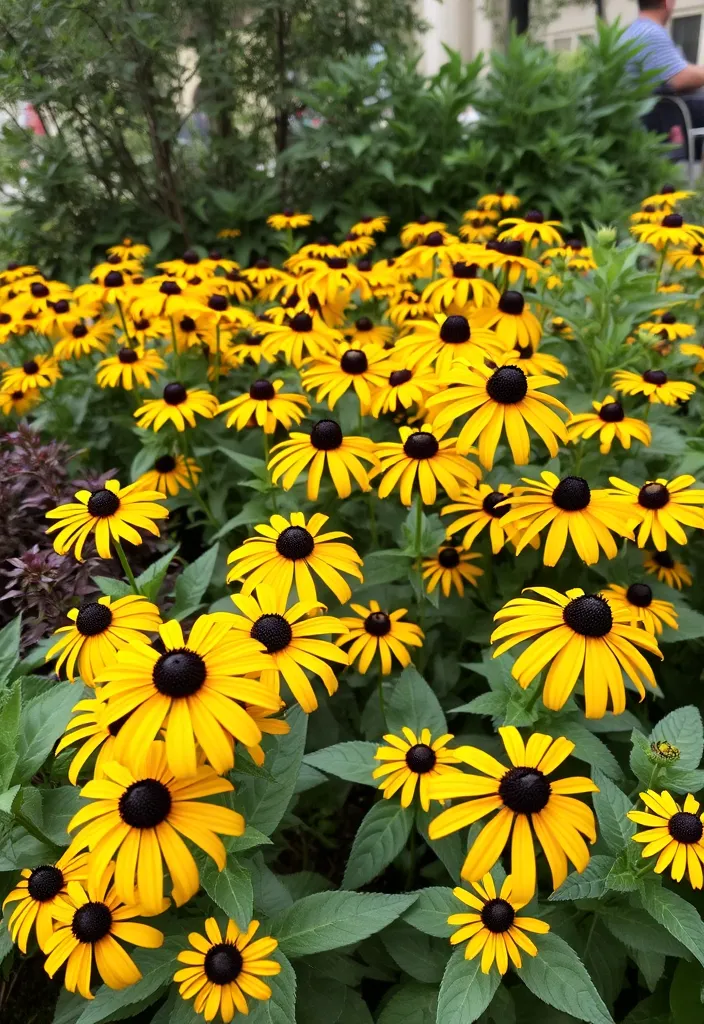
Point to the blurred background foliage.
(169, 120)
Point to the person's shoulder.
(643, 28)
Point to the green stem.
(265, 438)
(661, 262)
(187, 454)
(124, 322)
(126, 566)
(177, 355)
(37, 833)
(216, 382)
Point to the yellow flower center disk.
(179, 673)
(639, 594)
(273, 631)
(30, 367)
(175, 393)
(326, 435)
(657, 377)
(512, 302)
(127, 356)
(223, 963)
(455, 330)
(611, 412)
(145, 804)
(399, 377)
(421, 758)
(498, 915)
(295, 543)
(492, 500)
(421, 445)
(588, 615)
(653, 496)
(91, 922)
(103, 503)
(524, 790)
(354, 361)
(93, 618)
(377, 624)
(685, 827)
(507, 385)
(449, 558)
(262, 390)
(572, 494)
(165, 464)
(45, 883)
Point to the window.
(685, 33)
(562, 43)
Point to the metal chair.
(670, 111)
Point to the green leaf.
(353, 762)
(686, 993)
(380, 838)
(9, 648)
(58, 807)
(676, 915)
(111, 587)
(451, 849)
(623, 875)
(230, 888)
(590, 884)
(42, 722)
(589, 748)
(650, 965)
(465, 992)
(250, 838)
(558, 977)
(264, 803)
(690, 626)
(412, 1003)
(431, 910)
(611, 806)
(636, 929)
(150, 581)
(683, 729)
(10, 708)
(157, 967)
(192, 584)
(421, 956)
(412, 703)
(281, 1008)
(248, 462)
(328, 920)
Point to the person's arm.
(690, 77)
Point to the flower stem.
(124, 322)
(661, 262)
(177, 355)
(265, 438)
(187, 455)
(32, 829)
(216, 382)
(126, 566)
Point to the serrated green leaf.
(9, 648)
(192, 584)
(590, 884)
(423, 957)
(230, 888)
(150, 581)
(157, 967)
(558, 977)
(412, 1003)
(10, 709)
(329, 920)
(42, 722)
(111, 587)
(636, 929)
(588, 747)
(611, 805)
(264, 803)
(683, 729)
(353, 761)
(431, 910)
(413, 704)
(381, 836)
(451, 849)
(465, 992)
(676, 915)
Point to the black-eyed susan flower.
(363, 332)
(667, 569)
(507, 256)
(500, 400)
(578, 634)
(136, 818)
(459, 287)
(222, 972)
(112, 512)
(186, 332)
(535, 363)
(402, 388)
(97, 630)
(356, 245)
(289, 220)
(526, 802)
(89, 921)
(266, 405)
(423, 258)
(410, 762)
(178, 406)
(129, 367)
(493, 928)
(304, 334)
(559, 326)
(406, 304)
(668, 196)
(347, 367)
(483, 506)
(694, 350)
(89, 726)
(326, 445)
(169, 474)
(569, 507)
(424, 456)
(332, 277)
(668, 327)
(416, 230)
(671, 230)
(129, 250)
(691, 258)
(196, 686)
(377, 630)
(39, 371)
(513, 322)
(498, 200)
(166, 297)
(660, 508)
(674, 833)
(18, 403)
(450, 568)
(643, 609)
(441, 341)
(533, 228)
(609, 421)
(289, 637)
(370, 225)
(655, 384)
(81, 340)
(36, 895)
(229, 233)
(479, 226)
(292, 550)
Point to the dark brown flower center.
(507, 385)
(302, 323)
(165, 464)
(45, 883)
(39, 290)
(653, 496)
(175, 393)
(377, 623)
(326, 435)
(218, 303)
(512, 302)
(434, 239)
(498, 915)
(455, 330)
(273, 631)
(30, 367)
(589, 615)
(170, 288)
(668, 318)
(145, 804)
(657, 377)
(611, 412)
(262, 390)
(354, 361)
(103, 503)
(79, 331)
(91, 922)
(421, 758)
(223, 963)
(421, 445)
(572, 494)
(399, 377)
(664, 559)
(127, 355)
(114, 279)
(93, 619)
(336, 262)
(639, 594)
(448, 558)
(685, 827)
(524, 790)
(179, 673)
(673, 220)
(295, 543)
(490, 503)
(465, 270)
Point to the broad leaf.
(558, 977)
(676, 915)
(42, 722)
(230, 888)
(683, 729)
(263, 803)
(192, 584)
(353, 762)
(412, 703)
(381, 836)
(590, 884)
(431, 910)
(611, 805)
(412, 1003)
(465, 992)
